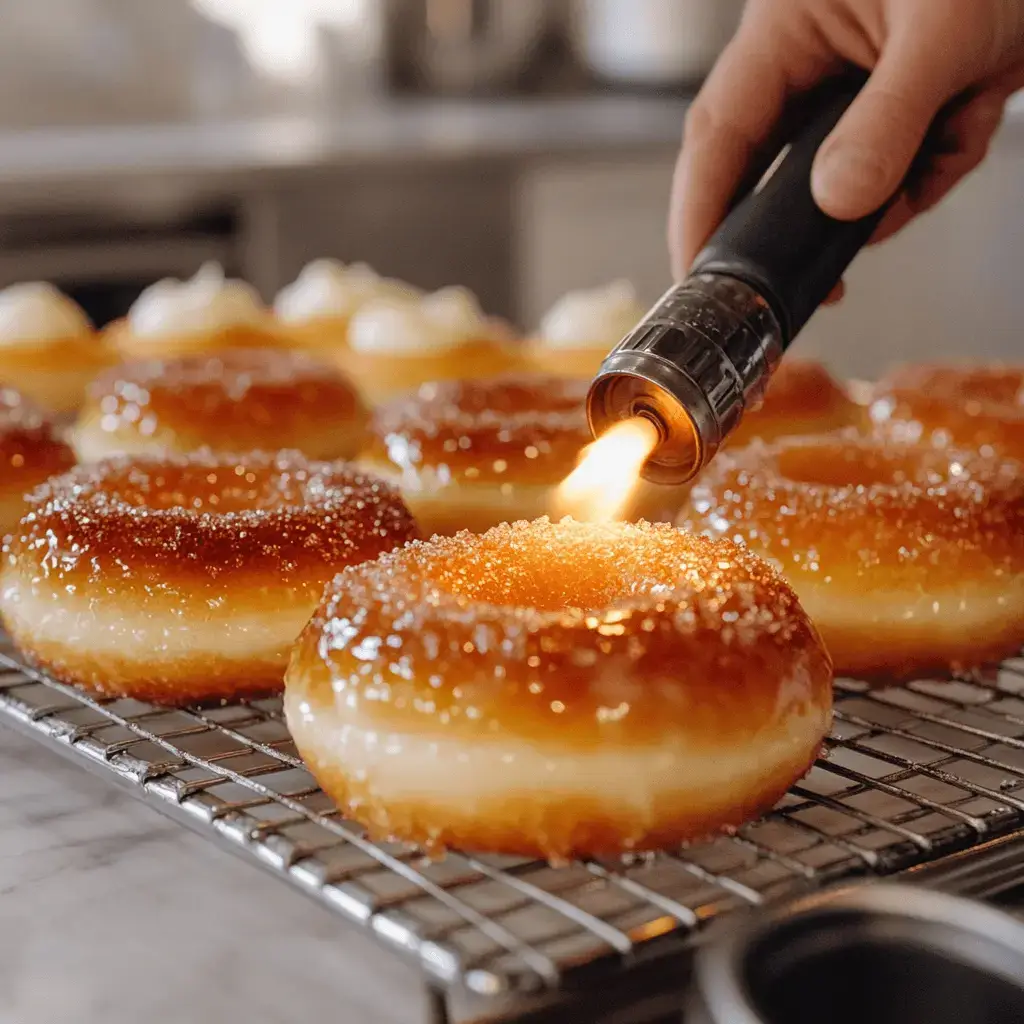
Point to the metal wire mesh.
(909, 776)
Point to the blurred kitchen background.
(519, 147)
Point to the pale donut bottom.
(92, 443)
(452, 507)
(897, 635)
(162, 650)
(554, 800)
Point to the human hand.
(966, 56)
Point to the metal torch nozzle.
(703, 355)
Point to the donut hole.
(567, 566)
(209, 487)
(848, 465)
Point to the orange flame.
(600, 487)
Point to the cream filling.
(407, 765)
(329, 289)
(135, 634)
(595, 318)
(35, 312)
(205, 303)
(439, 322)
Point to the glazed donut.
(238, 401)
(802, 399)
(317, 307)
(48, 348)
(969, 407)
(582, 328)
(207, 313)
(30, 452)
(468, 455)
(396, 343)
(909, 559)
(559, 690)
(186, 579)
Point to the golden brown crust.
(970, 407)
(802, 398)
(237, 401)
(30, 450)
(536, 630)
(902, 542)
(515, 430)
(261, 335)
(573, 363)
(385, 376)
(187, 549)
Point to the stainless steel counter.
(87, 158)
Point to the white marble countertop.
(110, 912)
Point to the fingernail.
(849, 181)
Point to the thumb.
(867, 156)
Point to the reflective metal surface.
(701, 357)
(882, 954)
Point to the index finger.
(732, 118)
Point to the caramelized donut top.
(978, 407)
(830, 506)
(509, 431)
(802, 398)
(565, 632)
(30, 449)
(236, 401)
(202, 517)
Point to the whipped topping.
(592, 318)
(206, 302)
(329, 289)
(36, 311)
(437, 322)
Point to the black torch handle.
(777, 239)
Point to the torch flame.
(599, 488)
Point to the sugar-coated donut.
(909, 559)
(237, 401)
(559, 690)
(49, 350)
(184, 579)
(468, 455)
(979, 407)
(396, 342)
(803, 398)
(207, 313)
(30, 452)
(580, 329)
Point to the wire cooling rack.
(910, 777)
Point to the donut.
(802, 399)
(49, 350)
(316, 308)
(978, 407)
(395, 343)
(910, 559)
(207, 313)
(581, 328)
(186, 579)
(240, 400)
(30, 452)
(558, 690)
(468, 455)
